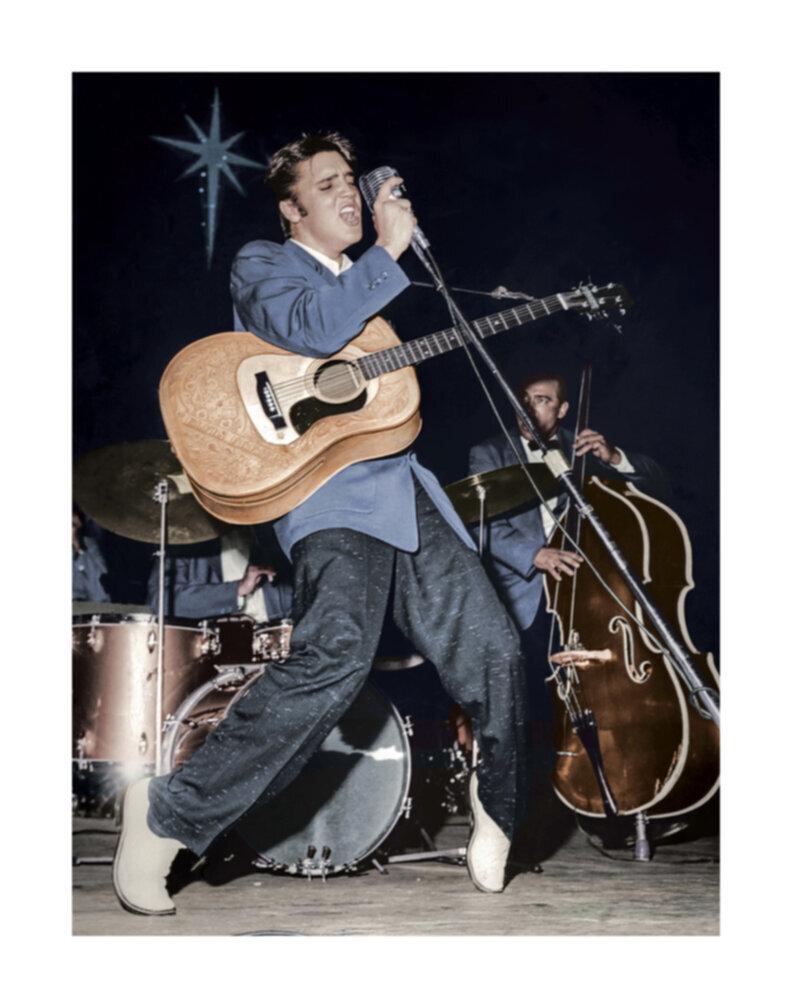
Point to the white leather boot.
(142, 859)
(488, 847)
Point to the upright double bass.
(629, 737)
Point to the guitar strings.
(522, 313)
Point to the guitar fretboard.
(417, 350)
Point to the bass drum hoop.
(177, 727)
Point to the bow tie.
(552, 443)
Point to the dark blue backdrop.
(534, 181)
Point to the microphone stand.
(702, 698)
(499, 293)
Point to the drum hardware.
(456, 780)
(272, 640)
(310, 867)
(308, 861)
(456, 853)
(324, 862)
(230, 676)
(642, 850)
(430, 844)
(161, 497)
(82, 762)
(210, 638)
(93, 634)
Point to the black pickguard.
(306, 412)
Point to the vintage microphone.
(370, 185)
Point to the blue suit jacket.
(88, 573)
(284, 295)
(194, 589)
(515, 538)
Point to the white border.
(749, 45)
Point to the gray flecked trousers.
(443, 602)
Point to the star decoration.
(215, 158)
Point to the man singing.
(377, 526)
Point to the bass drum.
(344, 803)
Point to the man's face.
(542, 402)
(326, 193)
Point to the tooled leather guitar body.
(246, 465)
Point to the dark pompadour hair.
(283, 165)
(542, 376)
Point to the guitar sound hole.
(337, 382)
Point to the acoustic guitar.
(258, 429)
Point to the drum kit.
(147, 691)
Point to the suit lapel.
(305, 259)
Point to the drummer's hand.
(592, 441)
(253, 577)
(556, 562)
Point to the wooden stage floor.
(578, 892)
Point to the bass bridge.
(568, 663)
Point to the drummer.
(232, 574)
(89, 569)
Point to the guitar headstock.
(601, 302)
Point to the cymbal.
(505, 490)
(115, 485)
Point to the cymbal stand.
(481, 493)
(161, 496)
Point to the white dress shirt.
(234, 559)
(534, 455)
(331, 264)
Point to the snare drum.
(344, 803)
(114, 685)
